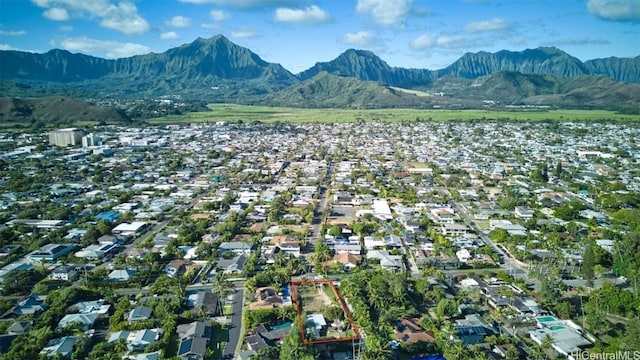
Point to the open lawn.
(247, 113)
(314, 298)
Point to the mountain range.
(217, 70)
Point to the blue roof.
(109, 216)
(429, 357)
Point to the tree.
(268, 353)
(321, 255)
(558, 171)
(20, 281)
(588, 263)
(631, 339)
(446, 308)
(292, 347)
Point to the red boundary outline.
(294, 293)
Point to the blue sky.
(297, 33)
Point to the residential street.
(236, 325)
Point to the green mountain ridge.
(217, 70)
(56, 111)
(326, 90)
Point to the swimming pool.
(282, 326)
(556, 327)
(546, 319)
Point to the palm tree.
(546, 345)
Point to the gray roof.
(194, 329)
(140, 313)
(62, 346)
(192, 346)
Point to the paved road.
(510, 266)
(323, 202)
(235, 329)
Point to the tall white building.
(90, 140)
(65, 137)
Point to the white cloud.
(422, 42)
(171, 35)
(243, 33)
(242, 3)
(385, 12)
(179, 22)
(12, 33)
(110, 49)
(56, 14)
(121, 16)
(219, 15)
(65, 28)
(360, 38)
(495, 24)
(444, 42)
(453, 42)
(10, 47)
(309, 15)
(615, 10)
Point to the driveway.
(235, 327)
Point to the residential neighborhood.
(411, 240)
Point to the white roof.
(130, 227)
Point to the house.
(381, 210)
(453, 229)
(83, 321)
(136, 340)
(51, 252)
(274, 333)
(473, 329)
(32, 304)
(347, 260)
(237, 247)
(343, 198)
(175, 268)
(567, 337)
(133, 228)
(193, 348)
(59, 347)
(256, 342)
(266, 298)
(387, 261)
(316, 323)
(64, 272)
(347, 247)
(121, 274)
(392, 241)
(140, 313)
(144, 356)
(232, 266)
(194, 337)
(204, 302)
(5, 342)
(98, 251)
(19, 327)
(464, 255)
(512, 229)
(409, 331)
(443, 215)
(290, 248)
(194, 329)
(523, 212)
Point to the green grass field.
(247, 113)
